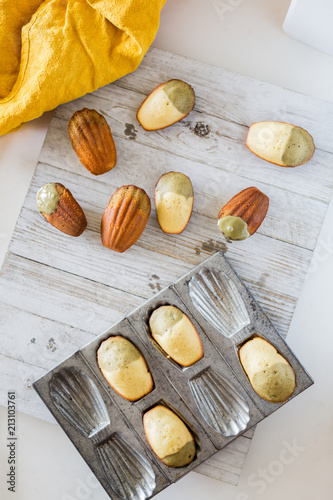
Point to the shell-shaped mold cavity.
(218, 300)
(78, 400)
(221, 406)
(127, 470)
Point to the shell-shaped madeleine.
(125, 218)
(59, 207)
(92, 141)
(218, 300)
(167, 104)
(127, 470)
(78, 400)
(176, 334)
(125, 368)
(218, 401)
(173, 202)
(243, 214)
(169, 437)
(269, 373)
(280, 143)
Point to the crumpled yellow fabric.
(54, 51)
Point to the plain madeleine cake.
(124, 367)
(269, 373)
(169, 437)
(176, 334)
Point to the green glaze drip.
(182, 457)
(299, 148)
(175, 182)
(180, 94)
(47, 198)
(233, 227)
(121, 353)
(164, 318)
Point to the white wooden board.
(58, 292)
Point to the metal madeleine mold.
(77, 398)
(108, 429)
(217, 299)
(128, 471)
(224, 410)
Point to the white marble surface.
(292, 451)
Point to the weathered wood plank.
(19, 376)
(213, 184)
(226, 465)
(274, 272)
(38, 341)
(58, 292)
(223, 146)
(238, 98)
(62, 297)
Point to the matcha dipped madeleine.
(125, 368)
(176, 334)
(243, 214)
(173, 202)
(269, 373)
(280, 143)
(169, 103)
(59, 207)
(169, 437)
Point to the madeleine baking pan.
(213, 396)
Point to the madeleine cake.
(169, 437)
(124, 367)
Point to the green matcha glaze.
(299, 148)
(175, 182)
(121, 353)
(276, 383)
(183, 457)
(233, 227)
(164, 318)
(47, 198)
(180, 94)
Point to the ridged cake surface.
(125, 218)
(92, 141)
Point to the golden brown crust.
(92, 141)
(250, 205)
(125, 218)
(69, 216)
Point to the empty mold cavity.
(127, 470)
(218, 300)
(218, 401)
(189, 351)
(78, 400)
(125, 368)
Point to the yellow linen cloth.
(54, 51)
